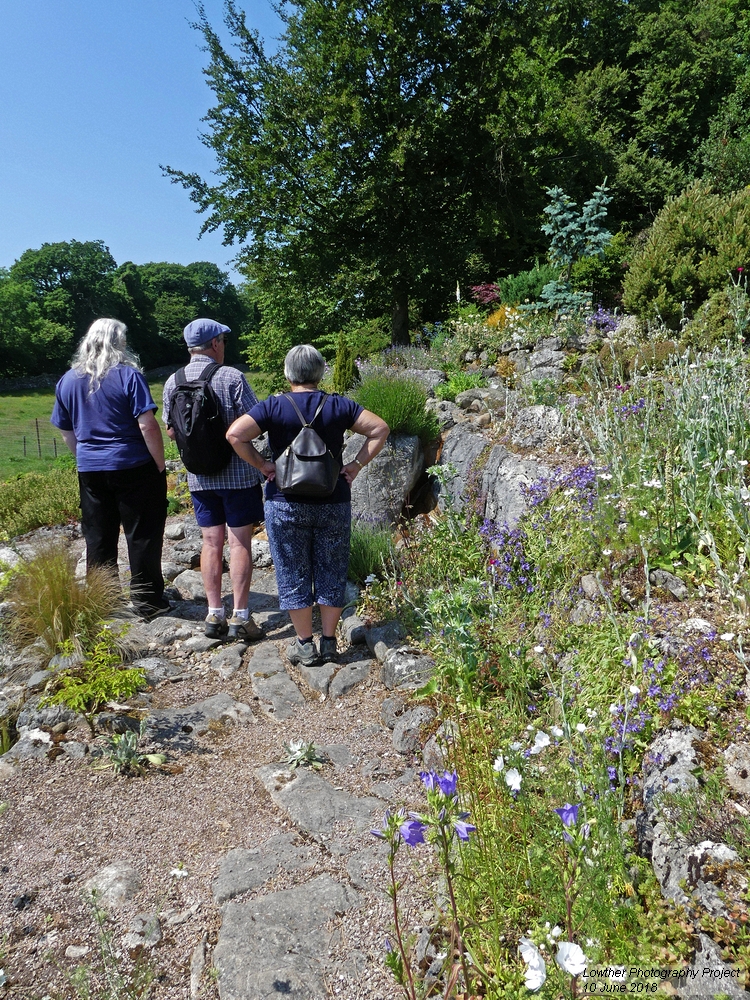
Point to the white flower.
(570, 958)
(179, 873)
(513, 779)
(541, 740)
(499, 764)
(538, 649)
(613, 709)
(581, 728)
(556, 731)
(515, 747)
(536, 970)
(742, 462)
(606, 552)
(604, 475)
(634, 689)
(556, 931)
(370, 579)
(591, 713)
(727, 637)
(730, 451)
(643, 513)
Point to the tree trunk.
(400, 322)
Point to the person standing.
(230, 501)
(309, 535)
(105, 414)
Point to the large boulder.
(495, 475)
(382, 487)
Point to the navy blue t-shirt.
(277, 416)
(104, 422)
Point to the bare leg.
(329, 619)
(212, 557)
(302, 621)
(241, 563)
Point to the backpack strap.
(288, 395)
(180, 378)
(209, 371)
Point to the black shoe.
(329, 650)
(149, 612)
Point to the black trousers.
(137, 500)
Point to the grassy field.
(29, 442)
(24, 413)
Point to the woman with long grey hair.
(105, 413)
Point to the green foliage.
(99, 678)
(301, 753)
(121, 753)
(526, 286)
(573, 235)
(400, 401)
(370, 550)
(696, 242)
(343, 367)
(458, 382)
(53, 606)
(38, 499)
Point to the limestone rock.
(669, 582)
(242, 870)
(380, 489)
(406, 668)
(114, 885)
(407, 731)
(347, 678)
(278, 944)
(536, 427)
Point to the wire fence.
(31, 439)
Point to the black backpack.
(306, 467)
(196, 417)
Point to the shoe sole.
(214, 633)
(235, 633)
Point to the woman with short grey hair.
(105, 413)
(309, 535)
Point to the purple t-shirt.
(104, 422)
(277, 416)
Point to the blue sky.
(94, 95)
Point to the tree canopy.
(390, 148)
(50, 296)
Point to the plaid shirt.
(236, 397)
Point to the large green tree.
(351, 162)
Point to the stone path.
(272, 942)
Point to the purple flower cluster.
(602, 320)
(581, 480)
(508, 564)
(630, 409)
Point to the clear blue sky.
(94, 95)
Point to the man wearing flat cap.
(231, 501)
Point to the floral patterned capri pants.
(310, 550)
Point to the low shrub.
(371, 549)
(697, 240)
(54, 606)
(400, 401)
(459, 382)
(37, 499)
(101, 677)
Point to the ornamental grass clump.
(371, 550)
(400, 401)
(52, 606)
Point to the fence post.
(24, 446)
(38, 439)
